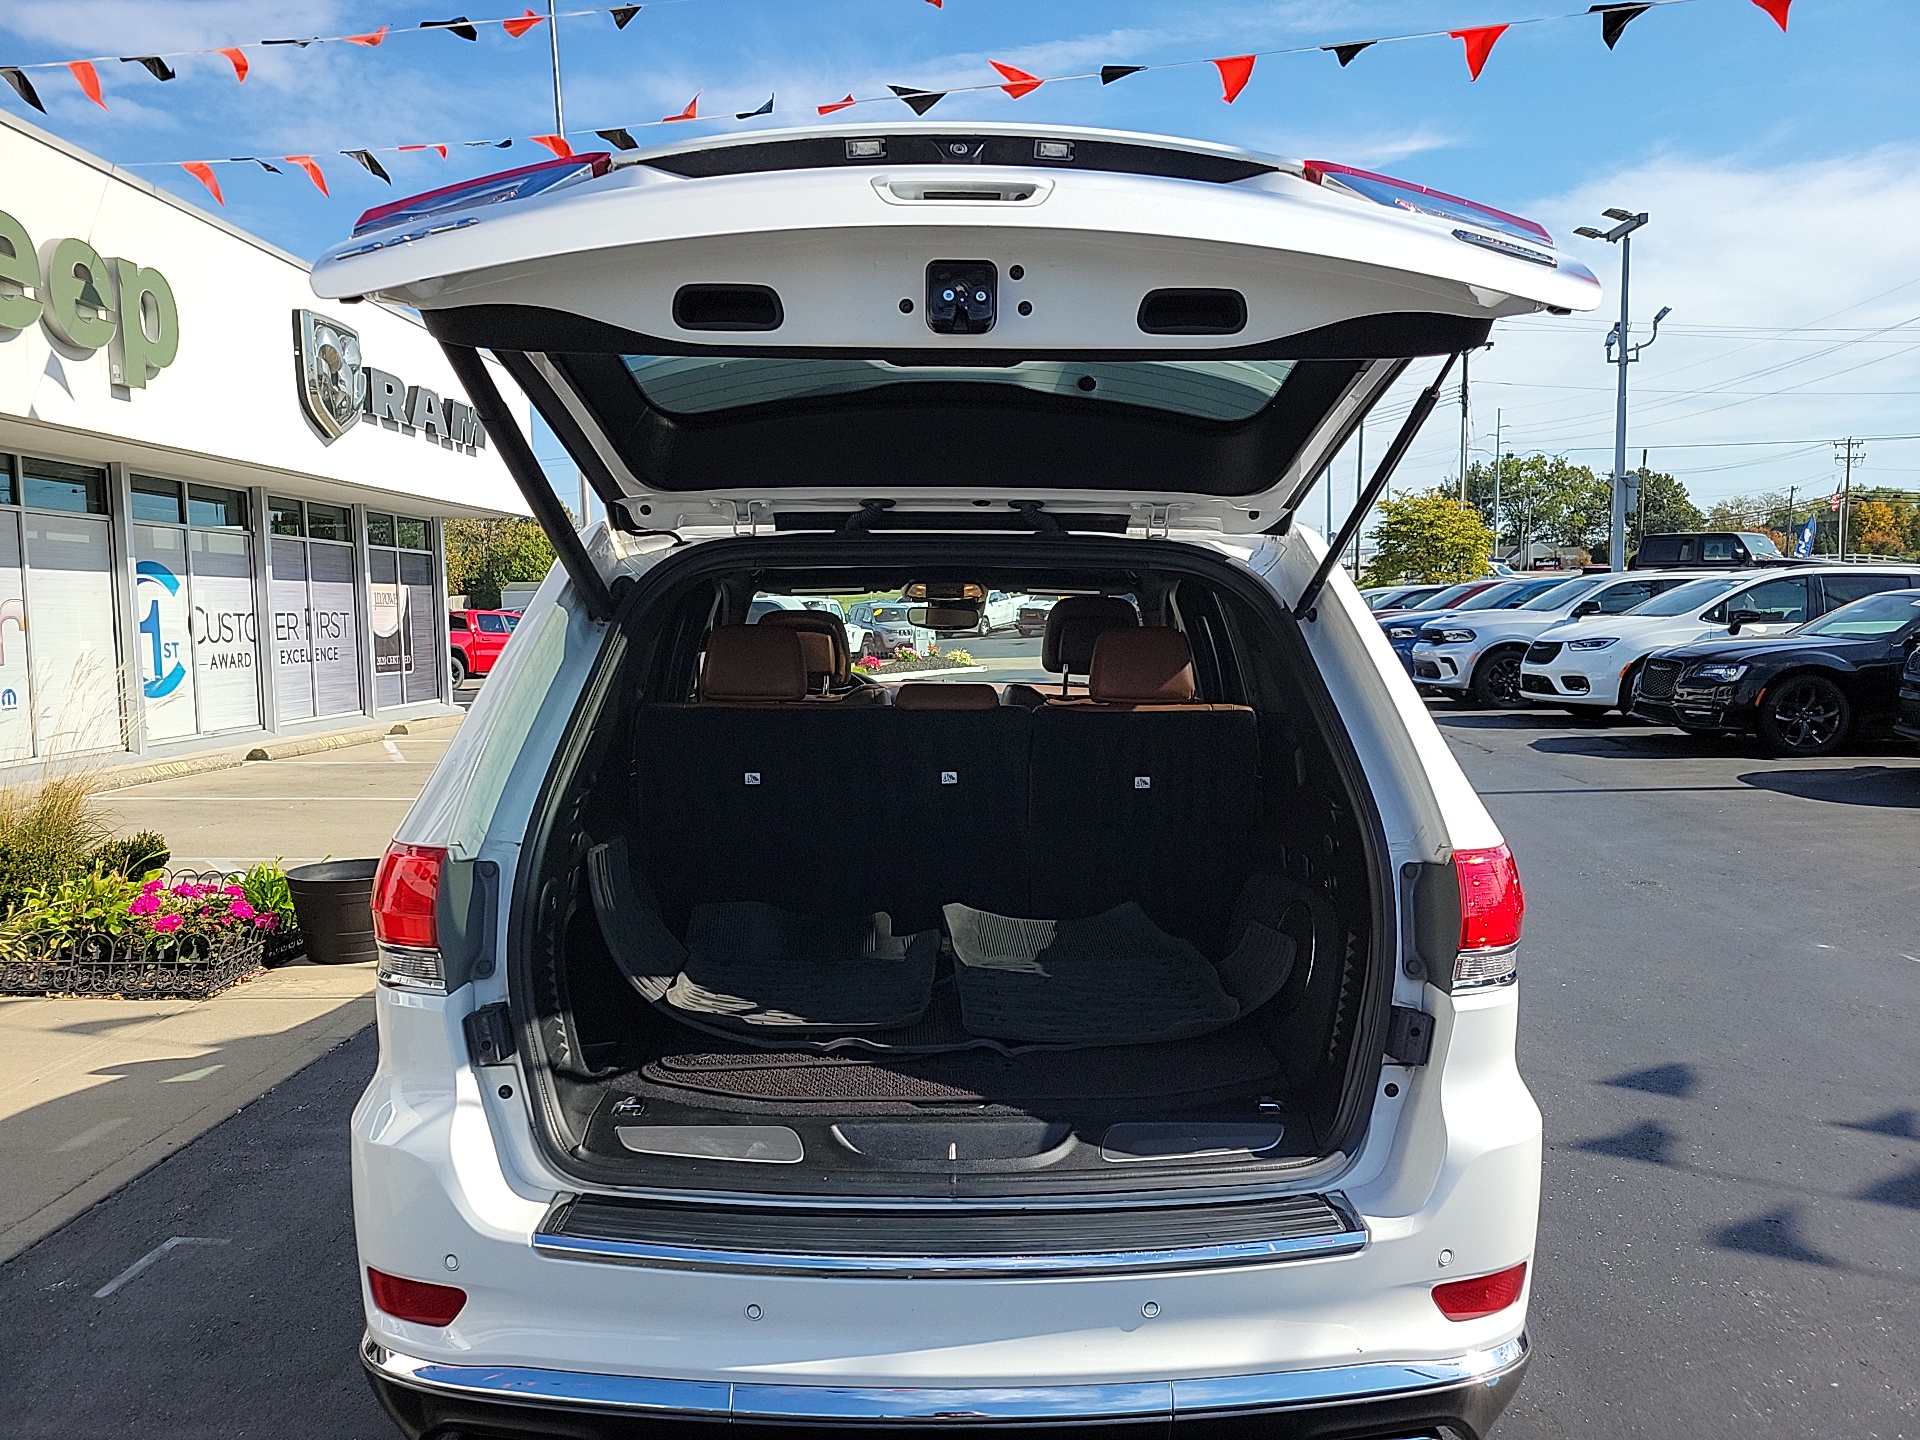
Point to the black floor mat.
(1228, 1062)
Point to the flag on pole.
(1803, 547)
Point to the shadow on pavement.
(1650, 1141)
(1775, 1234)
(1886, 786)
(1678, 1081)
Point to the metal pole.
(1498, 417)
(559, 111)
(1846, 498)
(1359, 464)
(1465, 427)
(1617, 534)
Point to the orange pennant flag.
(306, 163)
(1479, 43)
(1019, 82)
(89, 79)
(526, 22)
(239, 59)
(556, 143)
(1777, 9)
(692, 112)
(441, 148)
(836, 105)
(369, 40)
(1235, 71)
(204, 174)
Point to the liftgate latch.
(490, 1035)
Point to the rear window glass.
(1565, 593)
(1869, 619)
(1226, 390)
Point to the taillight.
(1491, 907)
(415, 1300)
(1481, 1296)
(406, 891)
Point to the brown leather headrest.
(934, 695)
(1075, 623)
(823, 638)
(1151, 666)
(753, 664)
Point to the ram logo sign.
(337, 388)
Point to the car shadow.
(1885, 786)
(1626, 744)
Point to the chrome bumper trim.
(1176, 1399)
(975, 1267)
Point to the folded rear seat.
(1139, 793)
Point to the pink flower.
(144, 903)
(241, 910)
(265, 920)
(165, 924)
(233, 890)
(153, 887)
(187, 891)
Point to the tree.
(483, 555)
(1875, 527)
(1428, 537)
(1665, 506)
(1543, 498)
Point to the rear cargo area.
(810, 934)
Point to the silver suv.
(1164, 1073)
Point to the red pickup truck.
(477, 637)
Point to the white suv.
(1476, 656)
(1589, 663)
(1131, 1059)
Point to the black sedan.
(1803, 692)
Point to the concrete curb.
(145, 772)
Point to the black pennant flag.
(156, 67)
(1111, 73)
(301, 43)
(459, 25)
(766, 109)
(256, 160)
(1615, 18)
(622, 14)
(374, 167)
(918, 101)
(1345, 53)
(496, 144)
(22, 86)
(619, 139)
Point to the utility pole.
(1620, 353)
(1497, 417)
(1850, 454)
(1793, 533)
(1465, 424)
(1359, 484)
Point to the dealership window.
(408, 656)
(316, 613)
(59, 653)
(198, 630)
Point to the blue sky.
(1777, 168)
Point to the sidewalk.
(97, 1091)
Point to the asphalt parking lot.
(1720, 978)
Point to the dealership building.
(221, 500)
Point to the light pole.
(1620, 353)
(1498, 415)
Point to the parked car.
(1000, 611)
(1588, 665)
(1442, 599)
(475, 639)
(666, 1129)
(1803, 693)
(1399, 597)
(889, 626)
(1476, 658)
(1907, 722)
(1030, 620)
(858, 635)
(1708, 550)
(1404, 630)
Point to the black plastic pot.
(334, 903)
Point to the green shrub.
(52, 917)
(48, 834)
(268, 892)
(134, 856)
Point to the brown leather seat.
(935, 695)
(753, 665)
(1074, 627)
(823, 640)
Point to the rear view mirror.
(947, 616)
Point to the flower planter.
(283, 947)
(133, 970)
(334, 904)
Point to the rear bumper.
(1465, 1392)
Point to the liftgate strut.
(1410, 427)
(532, 480)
